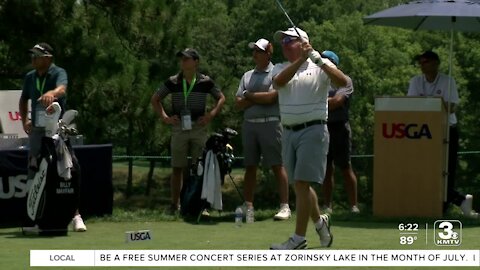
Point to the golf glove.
(316, 57)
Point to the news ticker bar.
(254, 258)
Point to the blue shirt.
(54, 77)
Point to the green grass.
(216, 232)
(147, 212)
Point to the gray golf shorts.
(262, 140)
(305, 153)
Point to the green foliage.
(117, 53)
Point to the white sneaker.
(473, 215)
(205, 213)
(326, 237)
(289, 245)
(78, 225)
(284, 213)
(355, 210)
(466, 205)
(327, 210)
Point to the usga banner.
(10, 120)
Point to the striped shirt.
(304, 97)
(196, 100)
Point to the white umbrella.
(456, 15)
(447, 15)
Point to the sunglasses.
(35, 56)
(288, 39)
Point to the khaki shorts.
(184, 143)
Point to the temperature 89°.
(407, 240)
(409, 227)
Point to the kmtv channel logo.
(402, 130)
(448, 232)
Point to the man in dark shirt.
(43, 85)
(340, 142)
(189, 118)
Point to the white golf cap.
(261, 44)
(290, 32)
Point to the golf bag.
(217, 144)
(54, 193)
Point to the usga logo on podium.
(448, 233)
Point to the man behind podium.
(432, 83)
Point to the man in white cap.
(302, 84)
(261, 129)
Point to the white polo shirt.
(304, 97)
(419, 86)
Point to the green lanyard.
(40, 89)
(187, 92)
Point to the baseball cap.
(332, 57)
(42, 49)
(290, 32)
(190, 53)
(261, 44)
(428, 55)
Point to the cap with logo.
(41, 49)
(290, 32)
(190, 53)
(427, 55)
(262, 44)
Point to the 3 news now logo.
(402, 130)
(448, 233)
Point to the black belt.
(305, 125)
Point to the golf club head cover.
(51, 119)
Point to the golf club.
(295, 28)
(290, 20)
